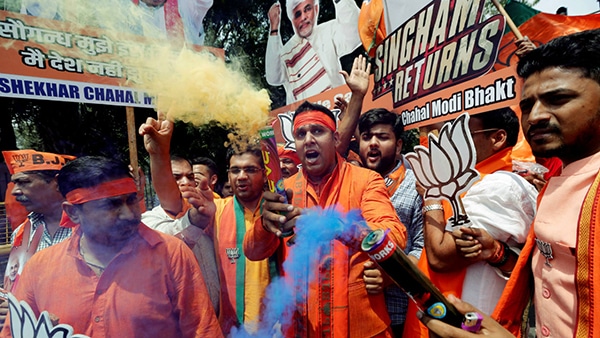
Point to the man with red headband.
(288, 161)
(327, 180)
(115, 277)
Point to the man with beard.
(308, 63)
(115, 277)
(327, 180)
(474, 261)
(380, 146)
(560, 102)
(225, 221)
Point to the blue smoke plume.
(315, 230)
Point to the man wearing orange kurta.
(114, 277)
(327, 180)
(241, 283)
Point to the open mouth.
(373, 155)
(311, 156)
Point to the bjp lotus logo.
(287, 127)
(447, 168)
(23, 322)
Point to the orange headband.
(286, 153)
(113, 188)
(314, 116)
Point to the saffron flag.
(540, 28)
(371, 25)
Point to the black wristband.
(504, 258)
(274, 31)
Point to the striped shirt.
(408, 204)
(47, 240)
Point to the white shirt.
(504, 205)
(203, 246)
(152, 22)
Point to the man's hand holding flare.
(278, 216)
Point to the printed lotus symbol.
(447, 168)
(23, 323)
(285, 121)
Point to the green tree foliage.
(490, 9)
(241, 28)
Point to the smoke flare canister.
(407, 276)
(268, 147)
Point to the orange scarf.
(511, 310)
(394, 179)
(451, 282)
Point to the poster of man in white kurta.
(309, 62)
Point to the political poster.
(431, 68)
(50, 53)
(308, 62)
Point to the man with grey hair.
(308, 63)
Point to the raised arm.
(157, 138)
(358, 81)
(274, 68)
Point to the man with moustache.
(33, 174)
(114, 276)
(327, 180)
(474, 261)
(175, 184)
(288, 161)
(560, 102)
(243, 282)
(206, 167)
(308, 63)
(34, 177)
(380, 146)
(225, 221)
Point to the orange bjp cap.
(29, 159)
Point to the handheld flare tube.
(407, 276)
(268, 147)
